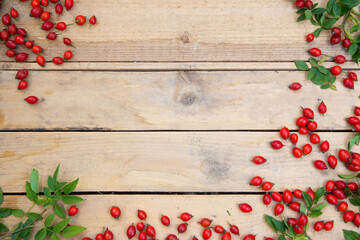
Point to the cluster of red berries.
(23, 84)
(19, 35)
(335, 194)
(302, 3)
(354, 120)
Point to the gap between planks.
(165, 66)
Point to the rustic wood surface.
(165, 101)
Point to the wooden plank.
(234, 100)
(166, 66)
(159, 30)
(94, 214)
(161, 161)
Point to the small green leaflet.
(56, 174)
(51, 184)
(3, 228)
(70, 187)
(31, 195)
(59, 211)
(329, 23)
(275, 224)
(346, 176)
(351, 235)
(61, 225)
(313, 61)
(354, 140)
(70, 199)
(72, 231)
(308, 200)
(49, 220)
(354, 29)
(34, 181)
(308, 14)
(301, 65)
(17, 212)
(302, 208)
(302, 17)
(5, 212)
(318, 10)
(315, 214)
(54, 237)
(1, 196)
(319, 194)
(281, 238)
(355, 201)
(41, 234)
(14, 236)
(317, 32)
(311, 73)
(318, 207)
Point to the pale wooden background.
(125, 119)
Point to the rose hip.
(346, 43)
(297, 152)
(295, 206)
(321, 165)
(61, 26)
(244, 207)
(115, 212)
(219, 229)
(4, 35)
(14, 13)
(276, 196)
(21, 57)
(340, 184)
(339, 193)
(6, 19)
(256, 181)
(303, 130)
(249, 237)
(294, 138)
(140, 226)
(45, 16)
(302, 121)
(67, 41)
(29, 44)
(22, 85)
(22, 74)
(287, 196)
(266, 199)
(37, 49)
(336, 31)
(340, 59)
(40, 60)
(142, 236)
(69, 4)
(356, 219)
(335, 40)
(332, 161)
(357, 111)
(207, 233)
(344, 155)
(36, 12)
(205, 222)
(352, 76)
(307, 149)
(348, 216)
(300, 3)
(59, 9)
(318, 226)
(310, 37)
(10, 53)
(336, 70)
(303, 219)
(284, 133)
(353, 186)
(186, 216)
(324, 146)
(322, 108)
(150, 231)
(309, 4)
(51, 36)
(342, 207)
(226, 236)
(311, 193)
(20, 40)
(131, 231)
(93, 20)
(278, 209)
(57, 60)
(316, 52)
(80, 20)
(298, 193)
(329, 225)
(171, 237)
(73, 210)
(295, 86)
(267, 186)
(47, 26)
(331, 199)
(312, 126)
(276, 144)
(68, 55)
(165, 220)
(348, 83)
(308, 113)
(259, 160)
(11, 44)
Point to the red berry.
(303, 219)
(287, 196)
(256, 181)
(311, 193)
(276, 144)
(67, 41)
(353, 168)
(99, 237)
(298, 193)
(278, 209)
(131, 231)
(20, 40)
(10, 53)
(44, 3)
(335, 39)
(295, 206)
(142, 236)
(4, 35)
(297, 152)
(140, 226)
(340, 59)
(312, 126)
(29, 44)
(322, 108)
(348, 216)
(324, 146)
(47, 26)
(284, 133)
(346, 43)
(115, 212)
(266, 199)
(332, 199)
(340, 184)
(59, 9)
(302, 121)
(295, 86)
(303, 131)
(300, 3)
(171, 237)
(226, 236)
(292, 221)
(40, 60)
(36, 12)
(357, 111)
(141, 214)
(57, 60)
(22, 85)
(249, 237)
(51, 36)
(259, 160)
(205, 222)
(80, 20)
(219, 229)
(332, 161)
(344, 155)
(348, 83)
(195, 238)
(69, 4)
(339, 193)
(267, 186)
(330, 185)
(207, 233)
(316, 52)
(45, 16)
(37, 49)
(298, 229)
(6, 19)
(308, 113)
(150, 231)
(356, 219)
(321, 165)
(310, 37)
(355, 155)
(336, 31)
(353, 120)
(73, 210)
(86, 238)
(307, 149)
(185, 216)
(355, 161)
(352, 76)
(318, 226)
(353, 186)
(61, 26)
(21, 57)
(68, 55)
(309, 4)
(342, 207)
(22, 74)
(11, 44)
(12, 29)
(336, 70)
(234, 229)
(244, 207)
(276, 196)
(14, 13)
(35, 3)
(294, 138)
(93, 20)
(165, 220)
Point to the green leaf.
(34, 180)
(70, 187)
(319, 79)
(3, 228)
(313, 22)
(346, 176)
(354, 140)
(59, 186)
(313, 61)
(41, 234)
(56, 174)
(70, 199)
(353, 48)
(17, 212)
(72, 231)
(330, 5)
(268, 219)
(281, 238)
(351, 235)
(275, 224)
(336, 10)
(1, 196)
(15, 236)
(323, 70)
(31, 195)
(54, 237)
(315, 214)
(319, 10)
(47, 192)
(49, 220)
(328, 23)
(5, 212)
(61, 225)
(350, 3)
(308, 200)
(301, 10)
(302, 17)
(59, 211)
(317, 32)
(354, 29)
(308, 14)
(25, 234)
(318, 207)
(355, 201)
(33, 216)
(301, 65)
(332, 79)
(319, 194)
(325, 86)
(302, 208)
(333, 87)
(311, 73)
(51, 184)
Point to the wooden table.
(162, 108)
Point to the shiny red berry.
(297, 153)
(310, 37)
(219, 229)
(309, 4)
(22, 85)
(115, 212)
(332, 161)
(331, 199)
(266, 199)
(344, 155)
(308, 113)
(207, 233)
(336, 31)
(324, 146)
(276, 144)
(348, 83)
(352, 76)
(319, 164)
(287, 196)
(276, 196)
(318, 226)
(244, 207)
(165, 220)
(302, 121)
(340, 59)
(342, 207)
(307, 149)
(73, 210)
(346, 43)
(80, 20)
(93, 20)
(298, 193)
(205, 222)
(256, 181)
(295, 86)
(335, 40)
(185, 216)
(140, 226)
(348, 216)
(279, 209)
(316, 52)
(131, 231)
(57, 60)
(294, 138)
(142, 214)
(322, 108)
(259, 160)
(295, 206)
(150, 231)
(267, 186)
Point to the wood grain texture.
(180, 30)
(231, 100)
(94, 214)
(162, 161)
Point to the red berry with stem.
(353, 168)
(312, 126)
(68, 55)
(59, 9)
(330, 198)
(186, 216)
(259, 160)
(295, 86)
(346, 43)
(93, 20)
(294, 138)
(69, 4)
(21, 57)
(205, 222)
(45, 16)
(14, 13)
(226, 236)
(348, 83)
(332, 161)
(316, 52)
(357, 111)
(322, 108)
(46, 26)
(150, 231)
(311, 193)
(51, 36)
(300, 3)
(321, 165)
(11, 44)
(22, 85)
(37, 49)
(256, 181)
(29, 44)
(298, 229)
(292, 221)
(131, 231)
(4, 35)
(115, 212)
(353, 120)
(342, 207)
(336, 70)
(352, 76)
(335, 40)
(266, 199)
(339, 193)
(298, 193)
(302, 121)
(340, 184)
(195, 238)
(140, 226)
(80, 20)
(142, 214)
(234, 229)
(314, 138)
(308, 113)
(40, 60)
(73, 210)
(99, 237)
(219, 229)
(67, 41)
(165, 220)
(356, 219)
(6, 19)
(44, 3)
(307, 149)
(22, 74)
(276, 196)
(324, 146)
(61, 26)
(303, 219)
(12, 29)
(348, 216)
(355, 161)
(35, 3)
(207, 233)
(287, 196)
(249, 237)
(278, 209)
(353, 186)
(340, 59)
(295, 206)
(142, 236)
(10, 53)
(36, 12)
(276, 144)
(318, 226)
(309, 4)
(303, 130)
(171, 237)
(20, 40)
(57, 60)
(297, 152)
(310, 37)
(267, 186)
(244, 207)
(355, 155)
(336, 31)
(344, 155)
(284, 133)
(356, 127)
